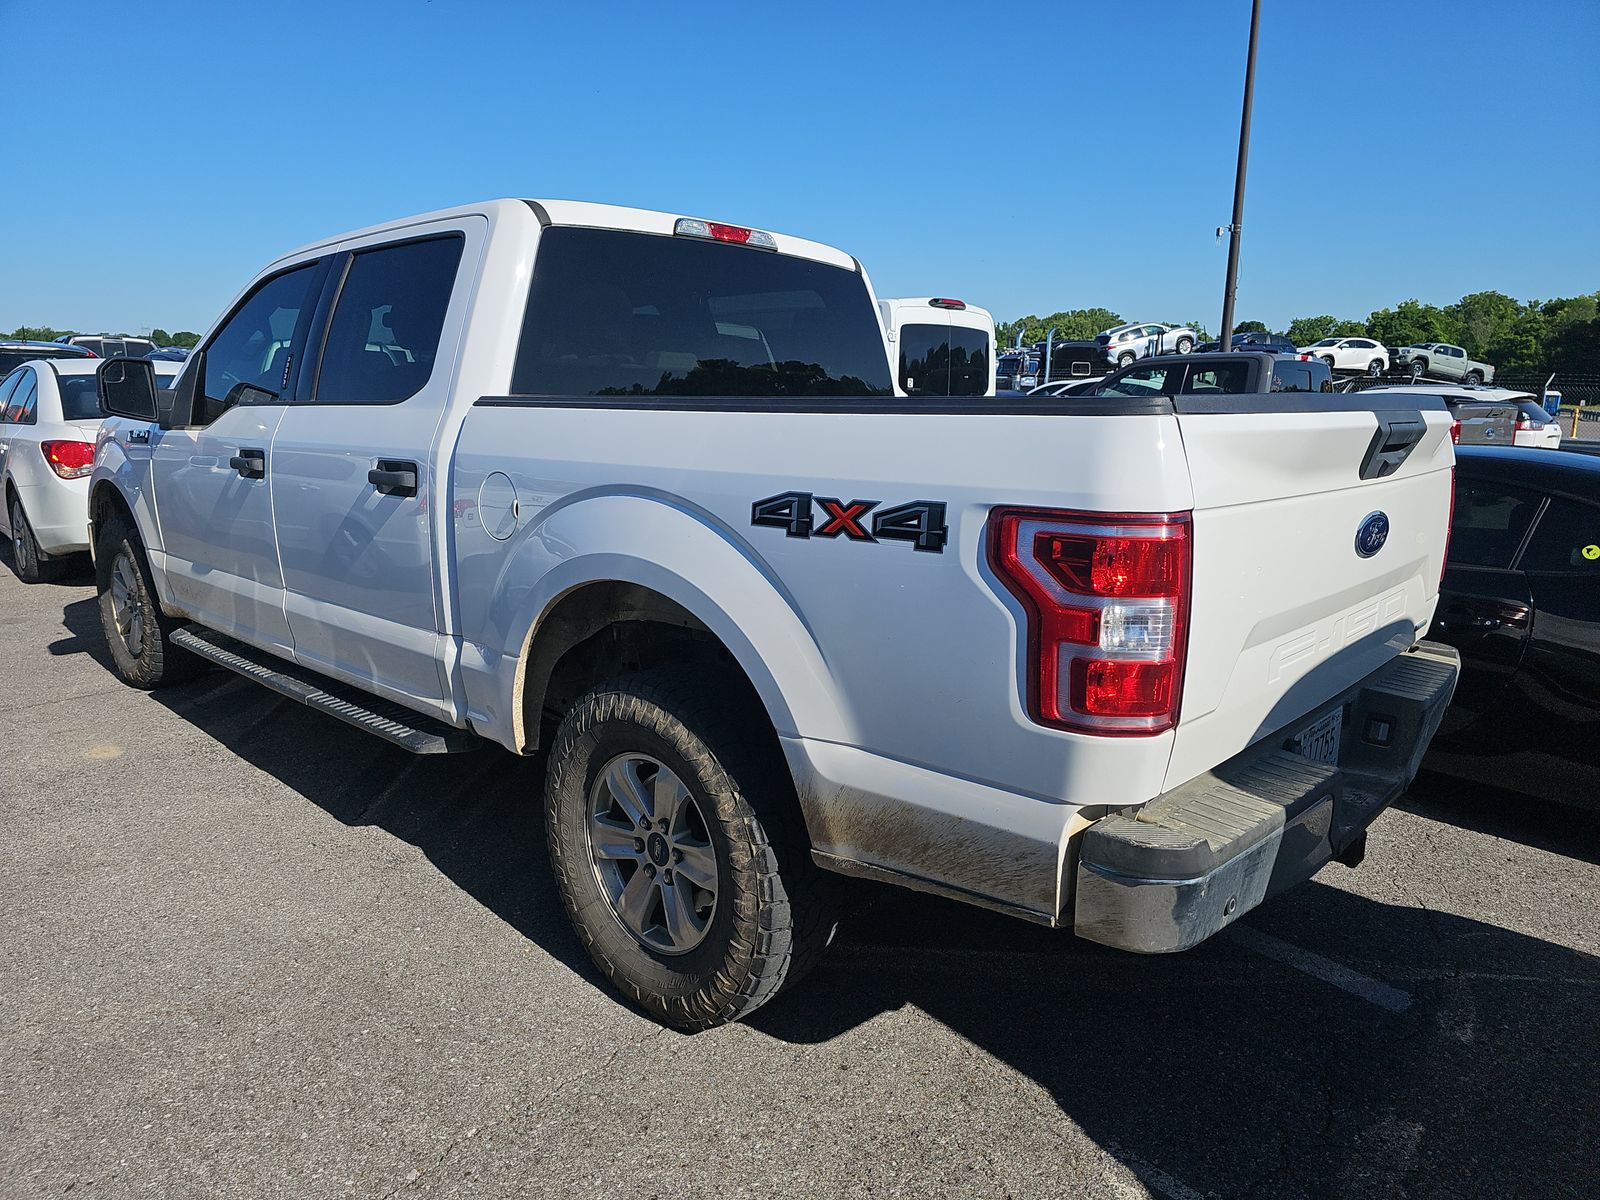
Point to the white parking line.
(1371, 990)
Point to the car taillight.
(1107, 601)
(1455, 431)
(70, 460)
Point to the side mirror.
(127, 388)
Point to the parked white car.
(1126, 343)
(939, 346)
(49, 416)
(1535, 426)
(1350, 354)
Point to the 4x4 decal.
(920, 522)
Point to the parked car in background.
(1065, 387)
(1071, 359)
(1351, 354)
(1536, 428)
(14, 353)
(1233, 373)
(1441, 360)
(1482, 416)
(49, 415)
(1521, 602)
(1126, 343)
(939, 346)
(112, 345)
(1274, 343)
(168, 354)
(1016, 371)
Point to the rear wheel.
(1125, 359)
(1474, 377)
(31, 564)
(677, 844)
(137, 631)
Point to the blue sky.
(1426, 149)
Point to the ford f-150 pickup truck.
(635, 490)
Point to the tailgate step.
(393, 722)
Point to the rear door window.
(1490, 522)
(1567, 541)
(615, 313)
(7, 386)
(22, 408)
(1205, 379)
(384, 336)
(1140, 381)
(925, 360)
(969, 362)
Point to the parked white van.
(939, 346)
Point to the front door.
(354, 481)
(211, 476)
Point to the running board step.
(393, 722)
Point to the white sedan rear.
(49, 415)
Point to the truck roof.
(581, 213)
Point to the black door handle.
(251, 464)
(394, 478)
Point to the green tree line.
(1515, 335)
(183, 339)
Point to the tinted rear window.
(938, 360)
(612, 313)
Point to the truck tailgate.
(1286, 611)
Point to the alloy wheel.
(126, 611)
(651, 850)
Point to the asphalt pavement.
(250, 951)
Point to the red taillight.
(1455, 432)
(70, 460)
(1107, 599)
(91, 353)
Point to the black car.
(14, 353)
(1521, 602)
(1235, 373)
(1274, 342)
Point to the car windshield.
(614, 313)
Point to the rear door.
(1319, 532)
(1485, 606)
(356, 479)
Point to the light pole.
(1225, 338)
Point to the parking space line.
(1372, 990)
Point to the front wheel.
(1375, 368)
(1328, 358)
(677, 844)
(31, 564)
(137, 631)
(1417, 369)
(1185, 345)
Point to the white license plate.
(1320, 740)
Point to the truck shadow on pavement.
(1221, 1072)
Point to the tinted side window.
(1137, 381)
(7, 386)
(925, 360)
(612, 313)
(250, 356)
(1490, 522)
(1567, 540)
(384, 336)
(1292, 377)
(22, 408)
(969, 362)
(1231, 379)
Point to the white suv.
(1350, 354)
(1126, 343)
(49, 416)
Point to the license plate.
(1319, 741)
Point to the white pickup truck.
(1441, 360)
(636, 489)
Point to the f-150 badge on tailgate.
(802, 515)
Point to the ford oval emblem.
(1372, 533)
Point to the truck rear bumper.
(1170, 874)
